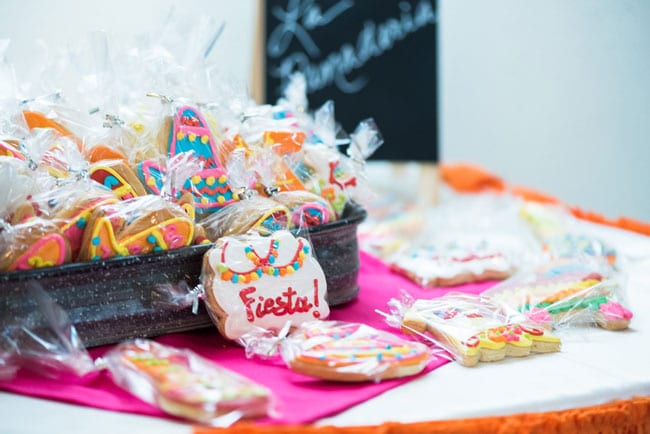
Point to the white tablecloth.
(594, 367)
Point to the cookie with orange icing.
(351, 352)
(136, 226)
(117, 176)
(184, 384)
(73, 218)
(474, 330)
(35, 243)
(36, 120)
(9, 149)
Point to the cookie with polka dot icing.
(351, 352)
(253, 281)
(136, 226)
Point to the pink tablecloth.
(299, 399)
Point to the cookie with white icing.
(253, 281)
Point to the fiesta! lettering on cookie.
(265, 282)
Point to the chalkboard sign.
(372, 58)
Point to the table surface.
(594, 367)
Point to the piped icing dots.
(267, 265)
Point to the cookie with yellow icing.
(117, 176)
(474, 330)
(141, 225)
(35, 243)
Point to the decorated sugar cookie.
(447, 265)
(566, 294)
(322, 173)
(184, 384)
(341, 351)
(117, 176)
(36, 243)
(258, 213)
(283, 143)
(39, 120)
(474, 330)
(189, 132)
(74, 219)
(138, 226)
(9, 150)
(307, 209)
(254, 281)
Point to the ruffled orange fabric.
(629, 417)
(466, 178)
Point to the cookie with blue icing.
(189, 133)
(118, 177)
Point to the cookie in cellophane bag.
(253, 281)
(136, 226)
(472, 329)
(187, 133)
(556, 229)
(27, 241)
(35, 243)
(465, 240)
(567, 293)
(351, 352)
(251, 211)
(451, 264)
(186, 385)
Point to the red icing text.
(287, 303)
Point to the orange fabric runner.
(629, 417)
(466, 178)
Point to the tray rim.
(353, 214)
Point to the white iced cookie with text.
(253, 281)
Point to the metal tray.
(117, 299)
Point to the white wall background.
(552, 94)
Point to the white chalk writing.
(339, 67)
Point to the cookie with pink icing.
(141, 225)
(36, 243)
(253, 282)
(189, 133)
(351, 352)
(184, 384)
